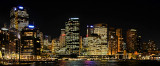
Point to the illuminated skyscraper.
(47, 45)
(55, 46)
(96, 39)
(131, 40)
(19, 18)
(40, 35)
(72, 37)
(62, 38)
(151, 45)
(4, 41)
(112, 42)
(30, 44)
(120, 39)
(138, 46)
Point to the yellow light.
(38, 41)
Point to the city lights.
(5, 29)
(22, 42)
(73, 18)
(15, 8)
(31, 26)
(20, 7)
(91, 26)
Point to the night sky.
(50, 16)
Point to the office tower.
(47, 45)
(120, 39)
(144, 46)
(48, 38)
(55, 46)
(30, 44)
(80, 46)
(72, 36)
(90, 30)
(40, 36)
(112, 42)
(4, 41)
(62, 38)
(151, 45)
(85, 46)
(19, 18)
(101, 31)
(131, 40)
(138, 46)
(97, 39)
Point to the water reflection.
(97, 63)
(75, 63)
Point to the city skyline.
(126, 16)
(86, 33)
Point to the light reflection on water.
(97, 63)
(76, 63)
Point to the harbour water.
(98, 63)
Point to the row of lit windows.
(28, 50)
(73, 43)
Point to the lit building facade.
(30, 44)
(131, 40)
(47, 45)
(4, 43)
(72, 38)
(120, 39)
(19, 18)
(112, 42)
(55, 46)
(96, 40)
(144, 46)
(151, 45)
(62, 38)
(40, 36)
(138, 46)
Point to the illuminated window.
(28, 33)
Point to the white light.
(20, 7)
(4, 29)
(15, 9)
(31, 26)
(87, 26)
(74, 18)
(91, 26)
(133, 29)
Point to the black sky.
(50, 16)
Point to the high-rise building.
(131, 40)
(30, 44)
(120, 39)
(144, 46)
(40, 36)
(72, 38)
(55, 46)
(62, 38)
(138, 46)
(112, 42)
(101, 30)
(4, 42)
(151, 45)
(96, 40)
(47, 45)
(19, 18)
